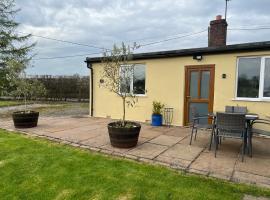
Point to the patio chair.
(196, 118)
(230, 125)
(257, 130)
(240, 109)
(236, 109)
(229, 109)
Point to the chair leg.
(243, 148)
(211, 138)
(196, 131)
(191, 136)
(250, 146)
(216, 144)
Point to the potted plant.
(116, 76)
(157, 113)
(26, 89)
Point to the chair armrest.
(202, 117)
(261, 121)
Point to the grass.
(5, 103)
(39, 169)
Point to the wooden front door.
(199, 91)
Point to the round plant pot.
(26, 119)
(156, 120)
(124, 137)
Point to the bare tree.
(118, 73)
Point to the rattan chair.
(236, 109)
(195, 125)
(229, 109)
(230, 125)
(257, 130)
(240, 109)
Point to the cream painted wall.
(165, 79)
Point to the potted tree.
(116, 77)
(157, 113)
(26, 89)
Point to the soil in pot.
(25, 119)
(124, 137)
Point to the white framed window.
(253, 78)
(133, 79)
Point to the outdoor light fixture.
(197, 57)
(224, 76)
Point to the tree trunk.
(124, 111)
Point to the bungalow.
(206, 78)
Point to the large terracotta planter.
(124, 137)
(25, 119)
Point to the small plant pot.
(25, 119)
(124, 137)
(156, 120)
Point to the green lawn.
(39, 169)
(5, 103)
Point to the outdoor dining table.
(250, 117)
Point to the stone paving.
(163, 145)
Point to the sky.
(99, 24)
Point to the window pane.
(248, 77)
(125, 79)
(266, 90)
(139, 79)
(205, 84)
(193, 89)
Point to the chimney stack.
(217, 32)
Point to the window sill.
(251, 99)
(140, 95)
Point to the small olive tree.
(21, 87)
(118, 73)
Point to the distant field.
(4, 103)
(46, 108)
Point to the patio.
(164, 146)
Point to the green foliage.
(117, 73)
(37, 169)
(12, 46)
(19, 86)
(157, 107)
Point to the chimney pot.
(218, 17)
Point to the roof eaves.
(255, 46)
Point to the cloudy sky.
(101, 23)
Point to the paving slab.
(75, 136)
(221, 166)
(255, 165)
(245, 177)
(150, 134)
(148, 150)
(202, 139)
(178, 132)
(184, 152)
(261, 147)
(96, 141)
(166, 140)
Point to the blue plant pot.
(156, 120)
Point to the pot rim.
(136, 124)
(157, 114)
(25, 113)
